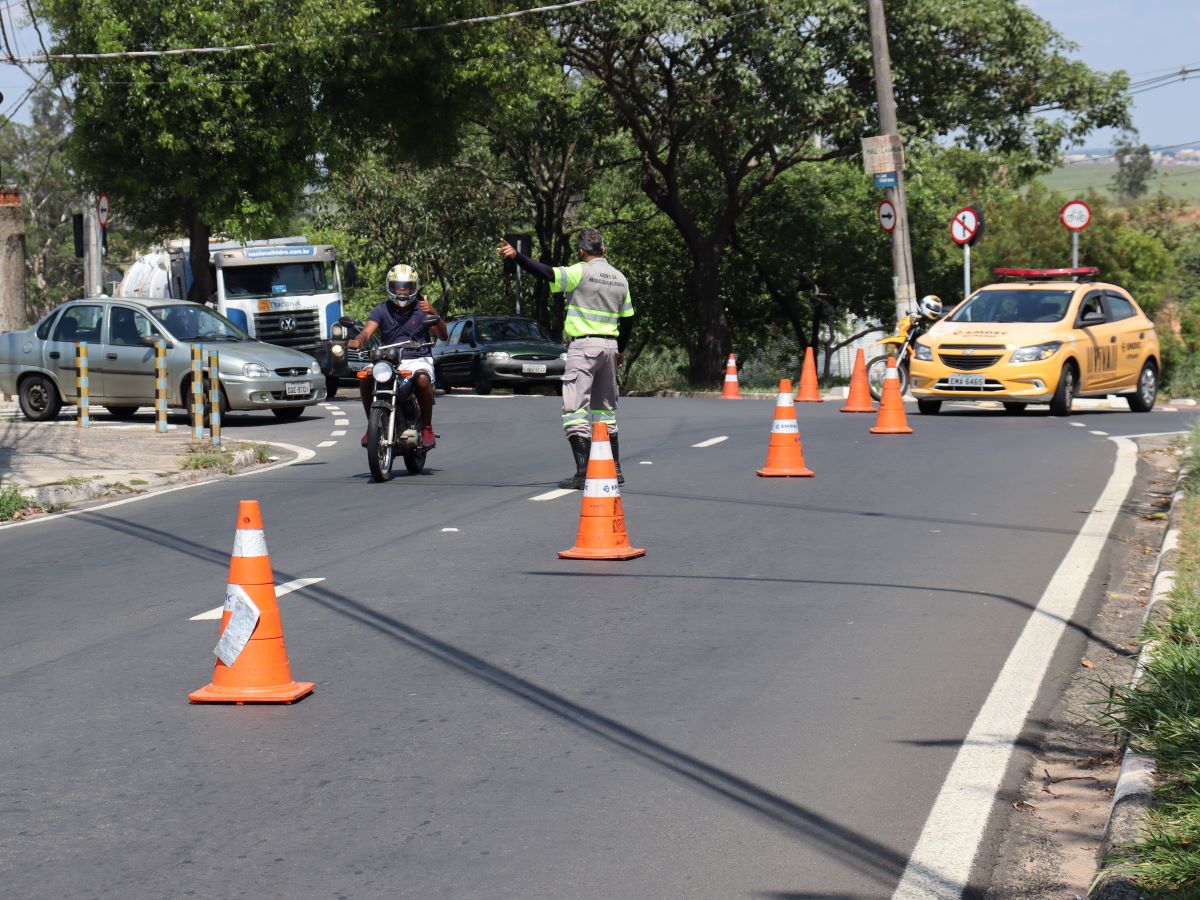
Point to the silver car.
(38, 365)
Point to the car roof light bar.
(1049, 274)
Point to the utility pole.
(93, 263)
(902, 265)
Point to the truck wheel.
(1064, 394)
(331, 387)
(39, 398)
(288, 413)
(1147, 389)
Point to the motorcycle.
(394, 424)
(899, 347)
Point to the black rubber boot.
(616, 448)
(581, 447)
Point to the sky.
(1143, 37)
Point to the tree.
(1134, 167)
(720, 100)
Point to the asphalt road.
(765, 705)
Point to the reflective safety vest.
(597, 297)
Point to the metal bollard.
(161, 389)
(197, 392)
(81, 383)
(214, 395)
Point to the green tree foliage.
(1134, 167)
(720, 100)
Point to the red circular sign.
(887, 215)
(1076, 215)
(102, 210)
(964, 226)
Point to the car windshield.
(197, 323)
(1010, 305)
(276, 279)
(511, 330)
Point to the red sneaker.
(428, 438)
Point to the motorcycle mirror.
(430, 319)
(346, 320)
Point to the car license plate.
(530, 369)
(967, 380)
(297, 388)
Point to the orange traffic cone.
(808, 393)
(252, 664)
(891, 419)
(731, 390)
(602, 532)
(785, 455)
(859, 398)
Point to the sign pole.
(1075, 249)
(966, 270)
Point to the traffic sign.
(965, 226)
(102, 210)
(887, 215)
(883, 153)
(885, 179)
(1076, 215)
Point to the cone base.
(601, 553)
(808, 399)
(891, 429)
(273, 693)
(731, 396)
(867, 408)
(774, 472)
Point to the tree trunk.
(204, 283)
(12, 272)
(713, 343)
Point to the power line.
(267, 45)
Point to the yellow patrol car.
(1039, 336)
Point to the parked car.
(38, 364)
(1044, 336)
(498, 351)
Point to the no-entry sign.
(964, 227)
(887, 215)
(1076, 215)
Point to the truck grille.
(299, 328)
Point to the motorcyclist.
(401, 317)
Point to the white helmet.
(403, 285)
(930, 306)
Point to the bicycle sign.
(1076, 215)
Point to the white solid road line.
(554, 494)
(326, 443)
(280, 590)
(712, 441)
(940, 864)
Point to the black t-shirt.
(397, 325)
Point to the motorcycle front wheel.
(379, 451)
(876, 369)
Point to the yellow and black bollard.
(214, 395)
(161, 388)
(197, 392)
(81, 383)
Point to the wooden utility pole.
(902, 265)
(12, 260)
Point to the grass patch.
(15, 505)
(1161, 716)
(262, 453)
(202, 455)
(138, 481)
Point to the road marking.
(1078, 425)
(940, 864)
(554, 494)
(449, 530)
(326, 443)
(645, 462)
(337, 434)
(337, 422)
(1099, 433)
(1153, 434)
(712, 441)
(280, 590)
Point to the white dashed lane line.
(280, 590)
(1099, 433)
(711, 441)
(326, 443)
(337, 434)
(1077, 425)
(555, 494)
(339, 422)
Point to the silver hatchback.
(38, 365)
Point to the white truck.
(283, 291)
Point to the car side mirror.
(1093, 317)
(151, 340)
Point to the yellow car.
(1044, 336)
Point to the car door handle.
(53, 354)
(110, 355)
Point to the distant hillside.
(1182, 182)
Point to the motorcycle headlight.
(1037, 352)
(382, 371)
(923, 352)
(497, 354)
(255, 370)
(338, 332)
(338, 350)
(314, 368)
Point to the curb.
(1133, 795)
(716, 395)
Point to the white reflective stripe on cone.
(601, 450)
(785, 426)
(784, 400)
(731, 376)
(891, 374)
(249, 542)
(601, 487)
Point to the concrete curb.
(65, 495)
(745, 395)
(1133, 795)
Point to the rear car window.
(43, 328)
(1119, 308)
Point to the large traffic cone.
(602, 532)
(891, 419)
(809, 391)
(731, 390)
(785, 455)
(260, 672)
(859, 398)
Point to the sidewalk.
(58, 463)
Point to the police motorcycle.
(394, 424)
(900, 346)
